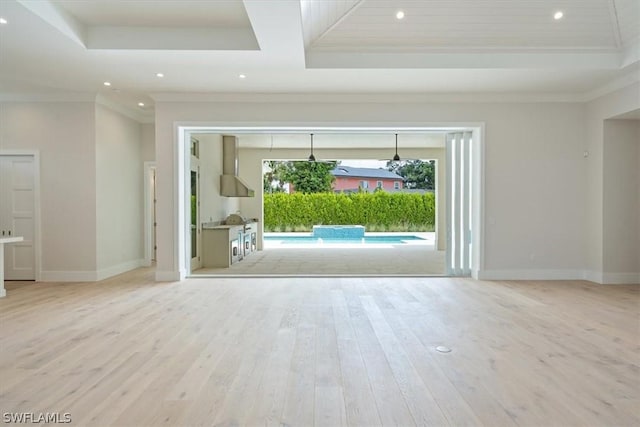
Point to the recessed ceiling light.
(140, 104)
(159, 75)
(107, 83)
(3, 21)
(242, 76)
(400, 14)
(558, 15)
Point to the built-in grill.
(249, 236)
(235, 219)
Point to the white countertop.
(11, 239)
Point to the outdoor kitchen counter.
(216, 226)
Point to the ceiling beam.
(164, 38)
(277, 25)
(58, 18)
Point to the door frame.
(149, 173)
(37, 238)
(181, 169)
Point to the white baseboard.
(89, 276)
(68, 276)
(621, 278)
(530, 275)
(3, 293)
(114, 270)
(592, 276)
(167, 276)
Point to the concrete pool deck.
(407, 259)
(428, 240)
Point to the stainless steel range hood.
(230, 184)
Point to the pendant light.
(396, 158)
(312, 158)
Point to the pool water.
(396, 239)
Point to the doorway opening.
(257, 144)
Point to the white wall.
(148, 148)
(63, 132)
(213, 206)
(119, 193)
(535, 182)
(597, 111)
(621, 201)
(251, 171)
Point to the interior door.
(17, 215)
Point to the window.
(379, 184)
(364, 184)
(396, 185)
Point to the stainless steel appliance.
(235, 236)
(235, 251)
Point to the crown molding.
(612, 86)
(367, 98)
(138, 116)
(47, 97)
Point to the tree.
(306, 177)
(310, 177)
(416, 173)
(272, 181)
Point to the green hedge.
(378, 211)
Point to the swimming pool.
(367, 240)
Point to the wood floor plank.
(322, 351)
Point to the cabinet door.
(17, 182)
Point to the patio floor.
(344, 260)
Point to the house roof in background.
(351, 172)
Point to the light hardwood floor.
(322, 351)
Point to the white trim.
(478, 201)
(531, 275)
(68, 276)
(36, 207)
(182, 131)
(138, 116)
(114, 270)
(341, 98)
(612, 86)
(48, 97)
(168, 276)
(148, 212)
(90, 276)
(3, 292)
(593, 276)
(621, 278)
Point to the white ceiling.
(342, 141)
(315, 46)
(159, 13)
(486, 24)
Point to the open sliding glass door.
(194, 211)
(459, 185)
